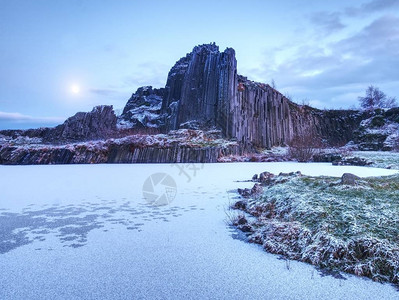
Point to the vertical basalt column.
(203, 84)
(263, 117)
(226, 104)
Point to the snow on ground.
(94, 237)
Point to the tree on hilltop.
(375, 98)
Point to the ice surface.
(85, 232)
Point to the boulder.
(241, 220)
(246, 228)
(349, 179)
(242, 204)
(266, 178)
(244, 192)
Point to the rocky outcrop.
(174, 154)
(100, 123)
(261, 115)
(114, 153)
(201, 88)
(143, 109)
(379, 131)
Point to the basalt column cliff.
(205, 111)
(204, 90)
(201, 90)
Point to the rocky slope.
(182, 146)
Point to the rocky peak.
(144, 96)
(208, 48)
(199, 88)
(99, 123)
(143, 109)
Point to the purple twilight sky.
(60, 57)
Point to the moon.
(75, 89)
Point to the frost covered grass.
(322, 222)
(380, 159)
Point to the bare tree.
(289, 97)
(305, 102)
(391, 102)
(375, 98)
(273, 84)
(304, 146)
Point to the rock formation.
(203, 91)
(379, 130)
(143, 109)
(100, 123)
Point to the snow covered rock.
(266, 178)
(143, 109)
(99, 123)
(380, 131)
(352, 161)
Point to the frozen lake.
(86, 232)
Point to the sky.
(60, 57)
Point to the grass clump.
(320, 221)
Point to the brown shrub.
(303, 147)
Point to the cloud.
(103, 92)
(380, 38)
(346, 66)
(21, 118)
(329, 22)
(371, 7)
